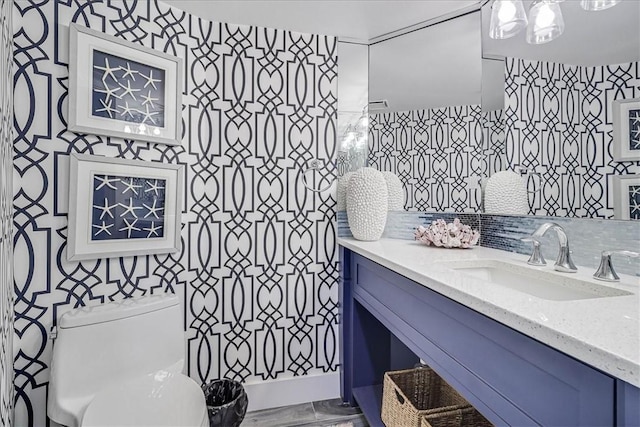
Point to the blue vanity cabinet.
(627, 405)
(511, 378)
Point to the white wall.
(6, 215)
(438, 66)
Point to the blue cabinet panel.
(345, 331)
(628, 408)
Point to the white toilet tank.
(103, 345)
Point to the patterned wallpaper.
(6, 215)
(559, 123)
(258, 104)
(493, 131)
(440, 155)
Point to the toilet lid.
(159, 399)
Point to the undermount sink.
(534, 281)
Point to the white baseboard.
(291, 391)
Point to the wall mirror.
(353, 99)
(559, 110)
(462, 106)
(425, 120)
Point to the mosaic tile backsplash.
(587, 237)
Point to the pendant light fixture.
(545, 22)
(507, 19)
(596, 5)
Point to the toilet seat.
(159, 399)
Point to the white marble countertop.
(602, 332)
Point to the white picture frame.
(104, 224)
(626, 130)
(113, 90)
(626, 197)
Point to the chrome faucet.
(605, 270)
(536, 257)
(564, 262)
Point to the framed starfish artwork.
(120, 207)
(626, 130)
(626, 196)
(118, 88)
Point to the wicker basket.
(410, 394)
(465, 417)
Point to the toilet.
(121, 364)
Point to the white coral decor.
(452, 235)
(367, 201)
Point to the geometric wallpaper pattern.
(257, 273)
(440, 155)
(559, 123)
(493, 132)
(6, 214)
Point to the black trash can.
(226, 402)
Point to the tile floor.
(325, 413)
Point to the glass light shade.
(596, 5)
(546, 22)
(363, 121)
(348, 139)
(507, 19)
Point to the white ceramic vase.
(396, 191)
(505, 193)
(367, 204)
(343, 182)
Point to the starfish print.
(152, 230)
(634, 190)
(152, 209)
(636, 132)
(128, 90)
(150, 80)
(148, 115)
(635, 207)
(635, 118)
(106, 209)
(148, 99)
(107, 70)
(127, 110)
(130, 186)
(107, 108)
(106, 181)
(636, 143)
(128, 72)
(154, 187)
(109, 91)
(102, 228)
(129, 227)
(129, 209)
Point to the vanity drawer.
(523, 381)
